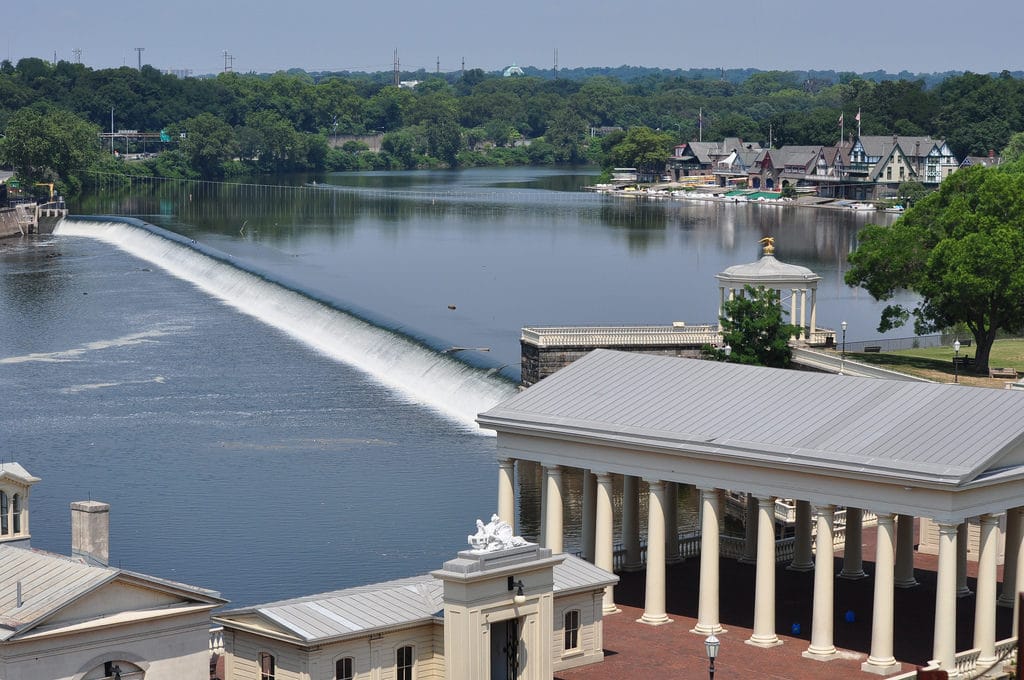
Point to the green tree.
(208, 143)
(754, 329)
(961, 249)
(444, 139)
(48, 146)
(912, 192)
(1014, 150)
(642, 148)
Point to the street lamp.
(711, 644)
(956, 361)
(728, 351)
(842, 355)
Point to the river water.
(267, 392)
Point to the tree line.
(234, 124)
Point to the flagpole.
(700, 124)
(858, 122)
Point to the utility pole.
(78, 54)
(398, 78)
(140, 50)
(229, 61)
(463, 67)
(554, 70)
(111, 130)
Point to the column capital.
(506, 462)
(824, 508)
(948, 528)
(655, 482)
(885, 516)
(988, 519)
(551, 467)
(601, 475)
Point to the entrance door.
(505, 650)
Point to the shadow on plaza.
(913, 619)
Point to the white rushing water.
(415, 372)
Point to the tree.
(642, 148)
(753, 327)
(46, 146)
(961, 249)
(208, 142)
(1014, 150)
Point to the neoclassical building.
(78, 618)
(521, 612)
(901, 450)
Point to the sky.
(314, 35)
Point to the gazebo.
(772, 274)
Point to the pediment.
(116, 597)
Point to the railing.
(217, 640)
(731, 547)
(593, 336)
(965, 663)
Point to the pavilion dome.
(513, 70)
(768, 272)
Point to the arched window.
(3, 514)
(16, 513)
(343, 669)
(572, 629)
(404, 662)
(267, 666)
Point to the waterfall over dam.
(410, 368)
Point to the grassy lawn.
(936, 363)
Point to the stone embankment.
(10, 224)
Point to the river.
(267, 393)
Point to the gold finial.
(769, 244)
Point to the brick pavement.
(636, 650)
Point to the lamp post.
(956, 362)
(728, 351)
(711, 643)
(842, 354)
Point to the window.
(403, 662)
(343, 669)
(3, 514)
(16, 513)
(267, 668)
(572, 629)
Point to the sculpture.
(495, 535)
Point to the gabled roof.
(379, 606)
(15, 472)
(50, 582)
(881, 145)
(941, 436)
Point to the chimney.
(90, 532)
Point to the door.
(505, 650)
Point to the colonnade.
(893, 560)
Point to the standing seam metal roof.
(945, 434)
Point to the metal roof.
(927, 433)
(768, 270)
(49, 582)
(390, 604)
(17, 472)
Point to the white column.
(654, 593)
(803, 556)
(764, 582)
(672, 523)
(961, 559)
(792, 306)
(604, 538)
(750, 531)
(814, 311)
(707, 602)
(1008, 596)
(631, 522)
(853, 555)
(905, 552)
(822, 647)
(1020, 576)
(803, 313)
(506, 491)
(985, 601)
(944, 648)
(721, 304)
(542, 539)
(589, 502)
(881, 659)
(553, 509)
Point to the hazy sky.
(894, 35)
